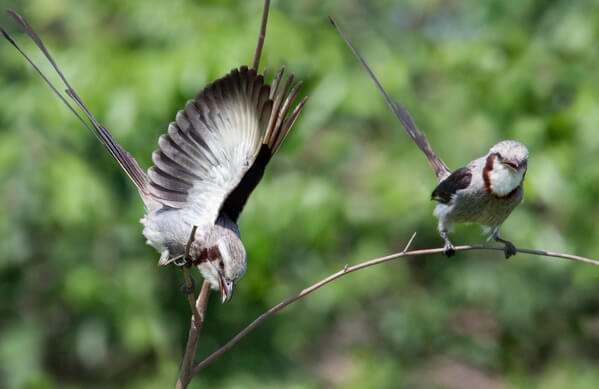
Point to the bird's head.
(511, 154)
(505, 168)
(222, 262)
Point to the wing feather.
(216, 140)
(459, 179)
(163, 163)
(176, 154)
(279, 124)
(187, 144)
(165, 180)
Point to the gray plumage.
(494, 188)
(207, 164)
(485, 191)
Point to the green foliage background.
(83, 303)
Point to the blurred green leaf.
(84, 304)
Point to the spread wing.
(459, 179)
(215, 153)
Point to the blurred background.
(83, 303)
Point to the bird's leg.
(178, 261)
(448, 248)
(509, 248)
(163, 261)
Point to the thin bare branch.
(372, 262)
(198, 307)
(188, 281)
(192, 338)
(405, 249)
(261, 35)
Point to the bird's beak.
(226, 290)
(511, 164)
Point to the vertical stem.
(261, 35)
(188, 281)
(193, 337)
(190, 296)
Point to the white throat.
(504, 179)
(210, 274)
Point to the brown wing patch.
(459, 179)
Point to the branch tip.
(405, 250)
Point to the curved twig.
(372, 262)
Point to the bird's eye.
(499, 155)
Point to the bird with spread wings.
(206, 165)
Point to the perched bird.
(485, 191)
(207, 164)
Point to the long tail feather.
(439, 167)
(125, 160)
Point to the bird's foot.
(179, 261)
(188, 289)
(448, 249)
(509, 249)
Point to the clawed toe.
(509, 249)
(180, 261)
(448, 249)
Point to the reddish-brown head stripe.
(207, 254)
(486, 171)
